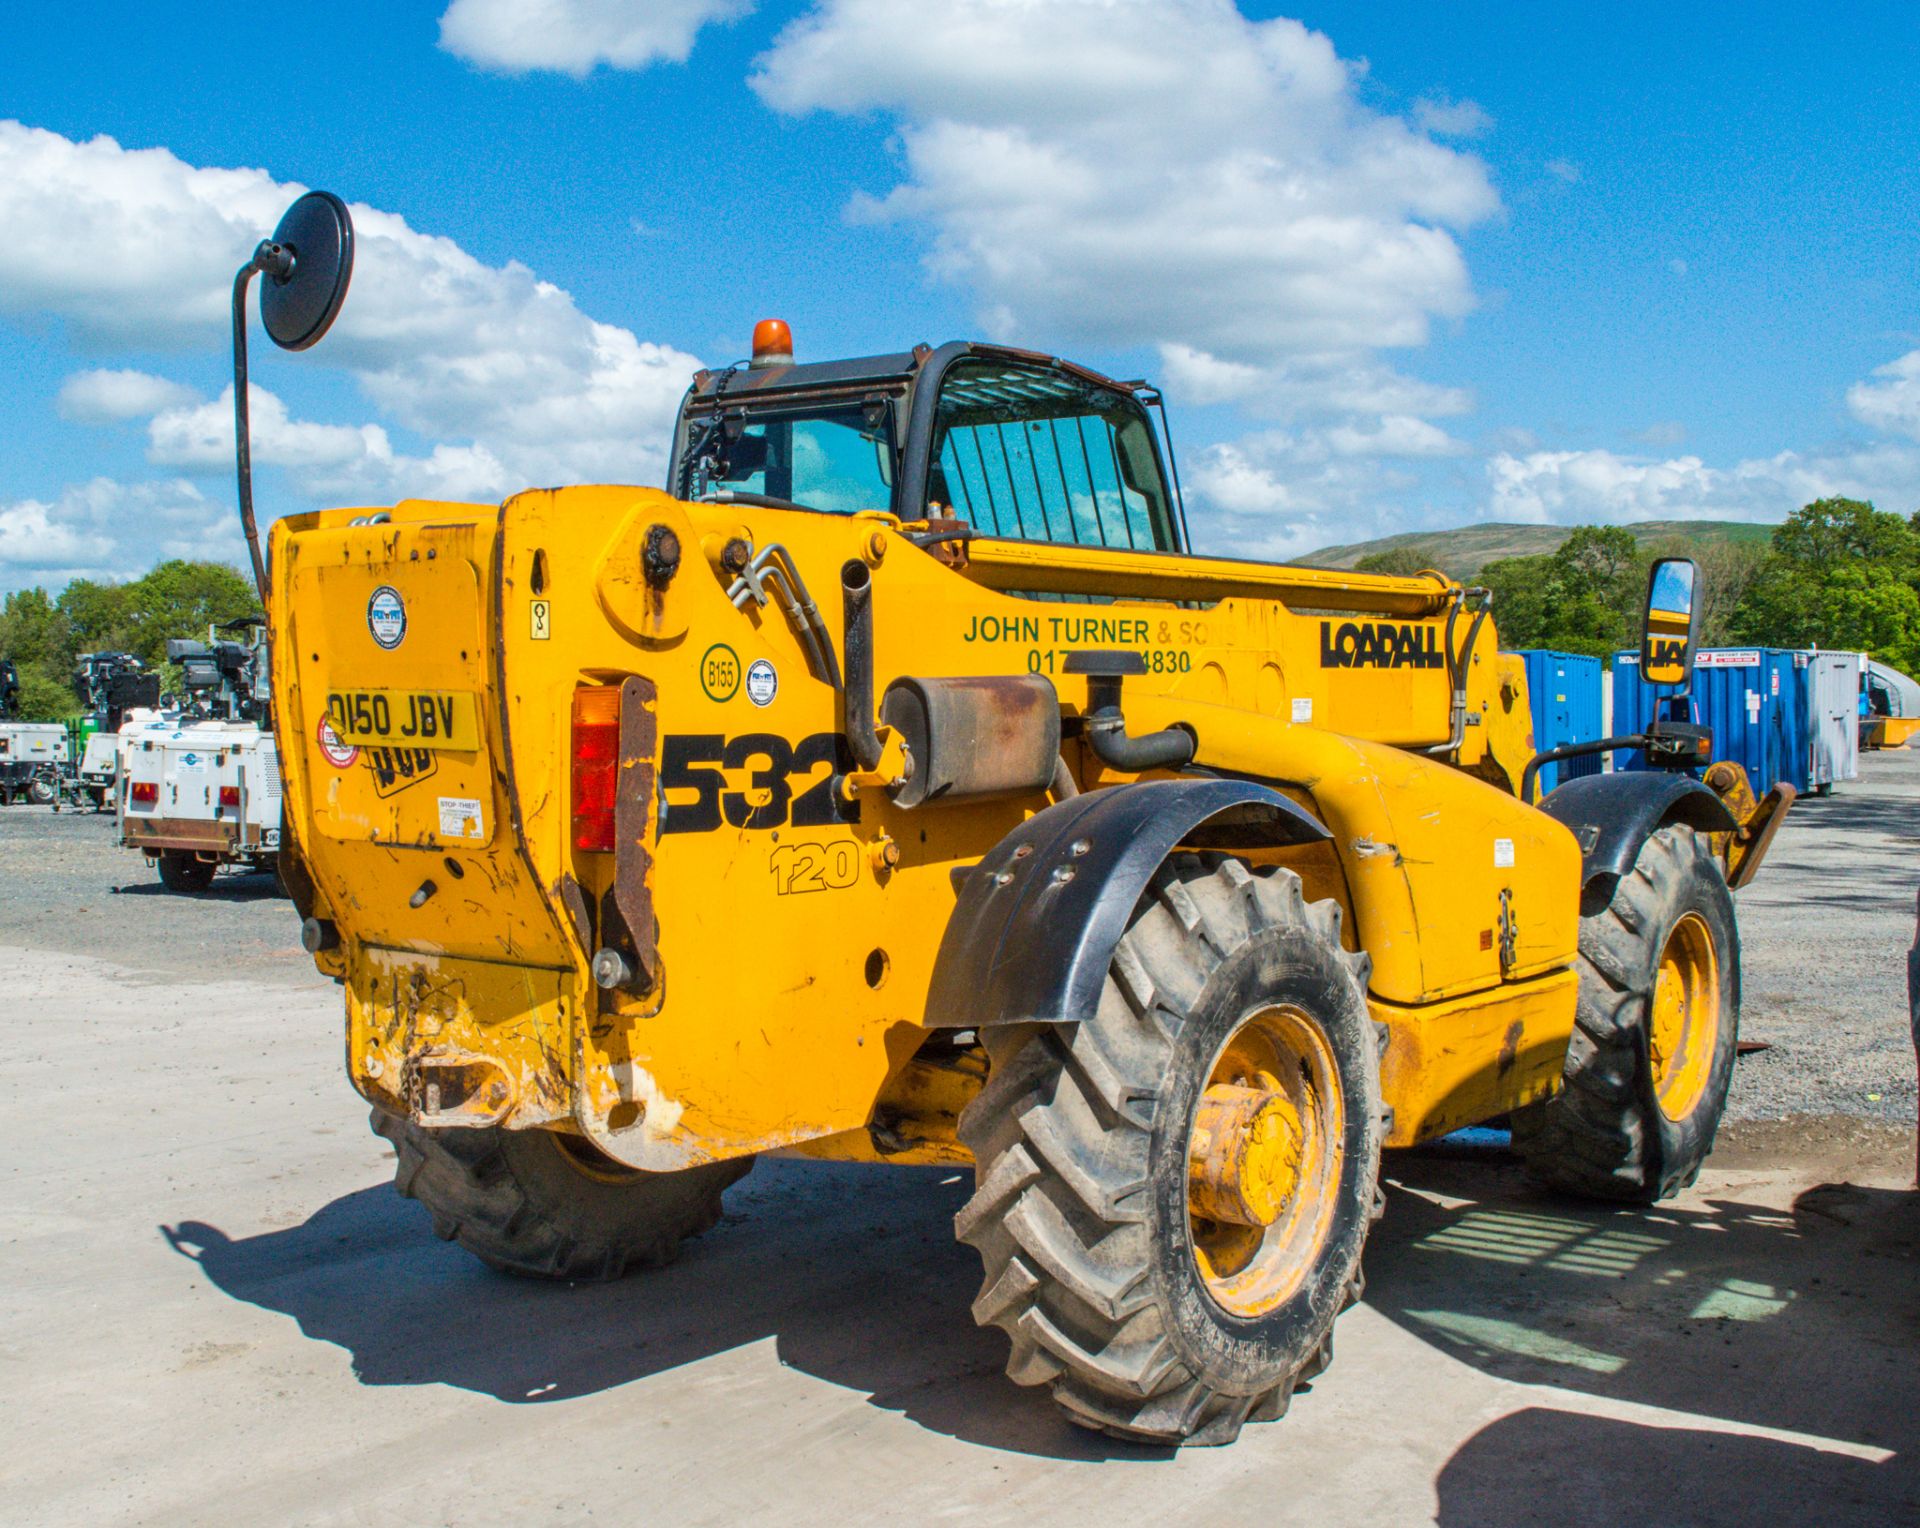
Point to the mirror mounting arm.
(243, 452)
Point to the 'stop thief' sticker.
(387, 616)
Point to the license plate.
(446, 719)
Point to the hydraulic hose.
(1457, 664)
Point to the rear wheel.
(40, 792)
(1172, 1196)
(181, 870)
(1653, 1047)
(545, 1204)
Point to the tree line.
(44, 633)
(1837, 573)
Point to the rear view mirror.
(1673, 609)
(307, 264)
(310, 264)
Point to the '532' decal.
(790, 784)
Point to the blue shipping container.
(1564, 691)
(1756, 700)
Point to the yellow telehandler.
(899, 786)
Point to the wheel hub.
(1685, 1020)
(1243, 1166)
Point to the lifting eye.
(537, 579)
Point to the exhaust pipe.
(856, 595)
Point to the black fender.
(1037, 921)
(1613, 815)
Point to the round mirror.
(300, 306)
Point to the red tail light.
(229, 795)
(596, 765)
(144, 792)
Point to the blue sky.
(1400, 267)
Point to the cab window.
(837, 459)
(1039, 455)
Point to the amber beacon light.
(772, 343)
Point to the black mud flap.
(1037, 921)
(1613, 815)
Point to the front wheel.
(40, 792)
(1171, 1197)
(1655, 1035)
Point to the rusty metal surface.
(188, 833)
(975, 738)
(633, 819)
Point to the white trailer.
(196, 795)
(97, 780)
(33, 755)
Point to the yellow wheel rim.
(1686, 1017)
(1263, 1160)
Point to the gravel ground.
(66, 887)
(1824, 932)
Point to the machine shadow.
(1802, 1320)
(852, 1272)
(246, 886)
(1606, 1472)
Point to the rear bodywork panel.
(793, 934)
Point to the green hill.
(1461, 553)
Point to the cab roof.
(898, 369)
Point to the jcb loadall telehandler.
(1165, 889)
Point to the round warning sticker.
(762, 682)
(720, 672)
(387, 616)
(339, 754)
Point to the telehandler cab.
(900, 786)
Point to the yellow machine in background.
(899, 787)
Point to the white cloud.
(1280, 494)
(1579, 487)
(1113, 172)
(105, 396)
(1563, 169)
(575, 36)
(501, 368)
(199, 437)
(1330, 385)
(1452, 119)
(108, 529)
(325, 460)
(1661, 433)
(1892, 403)
(1677, 266)
(1394, 435)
